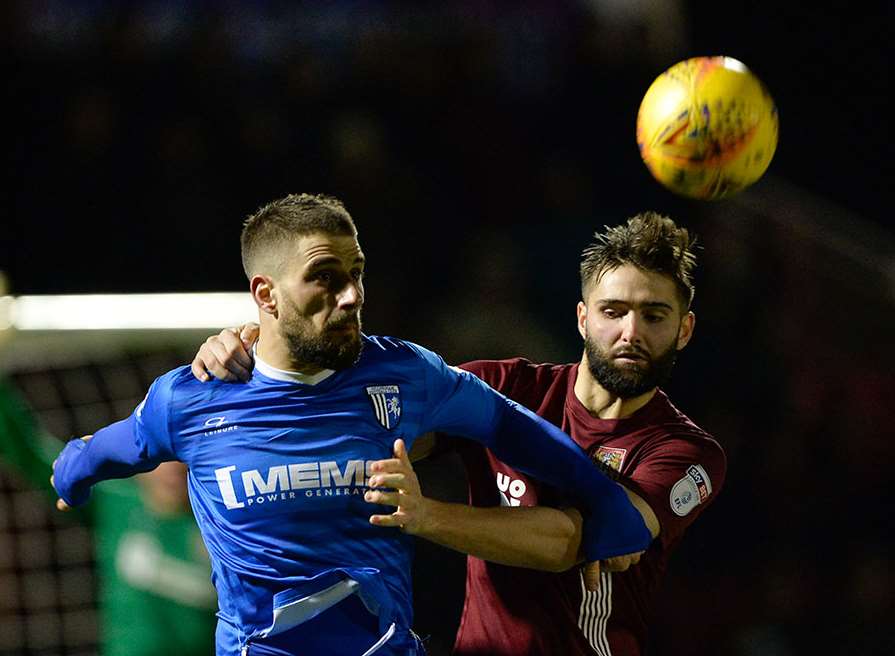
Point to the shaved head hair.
(268, 234)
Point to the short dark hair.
(283, 220)
(649, 241)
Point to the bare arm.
(649, 517)
(535, 537)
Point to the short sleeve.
(679, 477)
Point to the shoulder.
(380, 350)
(516, 375)
(181, 382)
(377, 347)
(680, 440)
(179, 389)
(679, 425)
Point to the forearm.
(614, 526)
(112, 452)
(534, 537)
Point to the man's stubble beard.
(629, 382)
(327, 350)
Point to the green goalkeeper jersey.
(155, 591)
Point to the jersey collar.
(644, 416)
(289, 376)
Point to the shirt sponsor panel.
(511, 489)
(291, 481)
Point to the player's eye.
(610, 313)
(654, 318)
(357, 274)
(323, 276)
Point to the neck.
(600, 402)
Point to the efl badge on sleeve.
(386, 404)
(693, 489)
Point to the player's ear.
(582, 319)
(685, 332)
(262, 287)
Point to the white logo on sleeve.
(693, 489)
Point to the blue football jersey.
(277, 473)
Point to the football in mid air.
(707, 128)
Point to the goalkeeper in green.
(155, 592)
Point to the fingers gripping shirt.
(277, 472)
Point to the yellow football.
(707, 128)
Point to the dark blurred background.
(478, 145)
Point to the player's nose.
(631, 328)
(350, 295)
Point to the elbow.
(563, 552)
(566, 552)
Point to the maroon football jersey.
(657, 452)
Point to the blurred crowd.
(478, 146)
(166, 123)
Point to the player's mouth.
(630, 357)
(346, 326)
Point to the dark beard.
(327, 351)
(624, 382)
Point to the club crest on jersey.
(612, 457)
(386, 401)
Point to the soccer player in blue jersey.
(279, 467)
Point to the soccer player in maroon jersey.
(636, 283)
